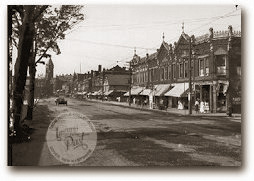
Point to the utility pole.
(190, 86)
(130, 85)
(103, 80)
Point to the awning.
(79, 93)
(178, 90)
(161, 89)
(94, 94)
(97, 93)
(89, 93)
(145, 92)
(135, 91)
(108, 92)
(203, 56)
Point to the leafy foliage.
(51, 24)
(54, 24)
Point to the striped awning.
(145, 92)
(134, 91)
(108, 92)
(161, 89)
(178, 90)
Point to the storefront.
(161, 101)
(222, 88)
(135, 97)
(177, 96)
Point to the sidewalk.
(235, 117)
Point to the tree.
(24, 46)
(53, 25)
(36, 30)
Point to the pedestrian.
(202, 105)
(196, 106)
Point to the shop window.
(221, 64)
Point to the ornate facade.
(215, 70)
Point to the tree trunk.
(25, 45)
(32, 71)
(10, 83)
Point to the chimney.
(99, 68)
(211, 33)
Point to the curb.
(160, 111)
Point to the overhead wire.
(213, 19)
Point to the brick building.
(163, 76)
(116, 82)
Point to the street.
(133, 137)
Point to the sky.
(109, 33)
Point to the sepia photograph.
(124, 85)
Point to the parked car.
(60, 100)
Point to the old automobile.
(60, 100)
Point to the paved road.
(131, 137)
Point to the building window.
(165, 73)
(206, 66)
(239, 70)
(162, 73)
(180, 70)
(201, 67)
(186, 69)
(169, 72)
(185, 52)
(143, 75)
(138, 77)
(149, 75)
(146, 76)
(174, 71)
(221, 64)
(154, 75)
